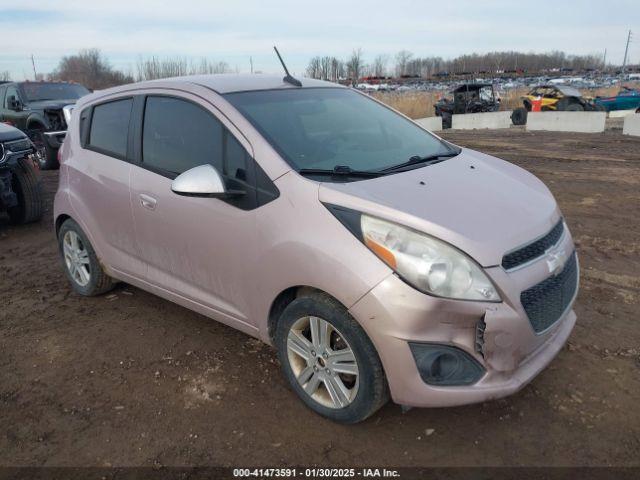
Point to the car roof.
(228, 83)
(566, 90)
(471, 86)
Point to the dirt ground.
(130, 379)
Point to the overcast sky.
(234, 30)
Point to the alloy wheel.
(323, 362)
(76, 258)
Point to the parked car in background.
(376, 257)
(627, 99)
(42, 110)
(20, 193)
(467, 98)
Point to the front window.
(39, 91)
(325, 128)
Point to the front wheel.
(329, 361)
(25, 182)
(47, 155)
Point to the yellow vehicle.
(552, 97)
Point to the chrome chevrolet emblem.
(556, 261)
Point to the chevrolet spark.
(377, 258)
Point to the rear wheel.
(81, 264)
(569, 104)
(519, 116)
(574, 107)
(25, 182)
(329, 361)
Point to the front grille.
(534, 249)
(547, 301)
(18, 145)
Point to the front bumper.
(55, 139)
(394, 314)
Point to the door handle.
(148, 202)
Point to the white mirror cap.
(66, 112)
(201, 180)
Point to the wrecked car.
(20, 193)
(467, 98)
(42, 110)
(560, 98)
(377, 258)
(627, 99)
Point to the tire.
(599, 108)
(47, 155)
(92, 280)
(569, 104)
(25, 182)
(367, 391)
(574, 107)
(519, 116)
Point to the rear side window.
(110, 127)
(179, 135)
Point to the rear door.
(197, 248)
(99, 174)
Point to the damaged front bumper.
(497, 338)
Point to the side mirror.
(14, 103)
(202, 181)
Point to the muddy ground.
(130, 379)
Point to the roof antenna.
(288, 78)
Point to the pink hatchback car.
(376, 257)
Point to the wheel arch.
(35, 121)
(60, 219)
(282, 301)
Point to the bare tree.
(90, 69)
(355, 66)
(314, 67)
(5, 76)
(380, 65)
(402, 61)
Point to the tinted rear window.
(110, 127)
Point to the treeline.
(404, 63)
(92, 69)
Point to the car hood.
(50, 104)
(8, 133)
(478, 203)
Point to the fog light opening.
(445, 365)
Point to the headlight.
(430, 265)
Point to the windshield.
(321, 128)
(38, 91)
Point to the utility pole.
(604, 60)
(251, 62)
(33, 63)
(626, 51)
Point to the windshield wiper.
(418, 160)
(340, 170)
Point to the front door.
(196, 248)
